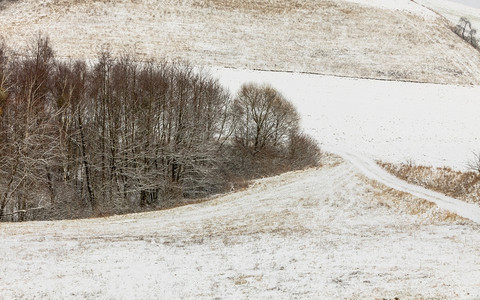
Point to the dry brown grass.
(428, 212)
(464, 186)
(244, 279)
(269, 7)
(284, 223)
(330, 160)
(331, 37)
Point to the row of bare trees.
(118, 136)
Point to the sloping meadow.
(366, 39)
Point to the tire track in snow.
(369, 168)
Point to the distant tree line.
(117, 136)
(465, 30)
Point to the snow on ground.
(398, 5)
(324, 233)
(428, 124)
(373, 171)
(321, 234)
(394, 39)
(453, 11)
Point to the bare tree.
(266, 134)
(461, 28)
(30, 143)
(472, 39)
(303, 151)
(263, 118)
(465, 30)
(474, 163)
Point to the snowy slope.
(323, 234)
(393, 121)
(453, 11)
(428, 124)
(373, 171)
(394, 39)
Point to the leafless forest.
(81, 139)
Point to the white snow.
(319, 234)
(453, 11)
(386, 39)
(327, 233)
(373, 171)
(399, 5)
(428, 124)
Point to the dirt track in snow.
(370, 168)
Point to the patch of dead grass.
(268, 7)
(330, 160)
(283, 223)
(245, 279)
(464, 186)
(325, 37)
(406, 203)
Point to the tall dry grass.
(464, 186)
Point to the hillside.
(365, 39)
(428, 124)
(344, 230)
(327, 233)
(453, 11)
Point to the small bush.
(303, 151)
(267, 138)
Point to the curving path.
(369, 168)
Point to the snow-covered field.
(453, 11)
(392, 121)
(329, 233)
(324, 233)
(394, 39)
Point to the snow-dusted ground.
(372, 170)
(428, 124)
(393, 121)
(324, 233)
(453, 11)
(389, 39)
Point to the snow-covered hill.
(324, 234)
(453, 11)
(428, 124)
(394, 39)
